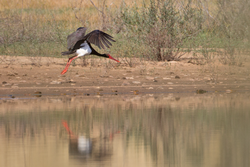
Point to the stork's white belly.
(84, 145)
(84, 50)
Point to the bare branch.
(73, 8)
(103, 16)
(96, 6)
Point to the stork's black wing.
(76, 36)
(98, 38)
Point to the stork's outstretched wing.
(98, 38)
(76, 36)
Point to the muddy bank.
(30, 77)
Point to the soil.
(40, 76)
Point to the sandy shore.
(26, 76)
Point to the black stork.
(80, 44)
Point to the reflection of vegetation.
(173, 135)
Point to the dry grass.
(40, 27)
(55, 4)
(60, 10)
(68, 10)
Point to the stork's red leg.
(65, 124)
(68, 63)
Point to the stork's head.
(79, 28)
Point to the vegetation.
(153, 29)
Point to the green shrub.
(161, 28)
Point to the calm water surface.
(150, 130)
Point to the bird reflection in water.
(82, 147)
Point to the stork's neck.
(94, 52)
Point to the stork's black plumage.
(80, 44)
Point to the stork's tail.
(67, 53)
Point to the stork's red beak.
(114, 59)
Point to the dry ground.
(26, 76)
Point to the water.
(210, 129)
